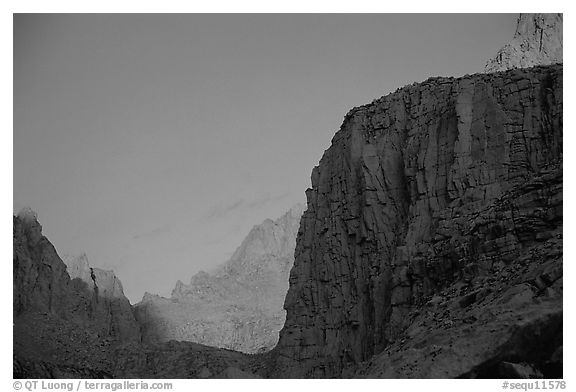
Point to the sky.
(154, 142)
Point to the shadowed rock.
(431, 246)
(450, 188)
(59, 322)
(108, 303)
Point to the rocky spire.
(537, 41)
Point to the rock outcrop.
(58, 320)
(181, 360)
(40, 280)
(76, 323)
(240, 305)
(505, 322)
(432, 240)
(537, 41)
(431, 247)
(103, 291)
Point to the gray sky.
(155, 142)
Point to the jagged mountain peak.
(104, 282)
(239, 305)
(269, 237)
(60, 310)
(27, 214)
(538, 40)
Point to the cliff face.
(239, 306)
(503, 320)
(40, 281)
(537, 41)
(440, 195)
(103, 291)
(76, 323)
(431, 247)
(71, 322)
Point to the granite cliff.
(432, 240)
(431, 246)
(537, 41)
(239, 306)
(75, 322)
(105, 294)
(65, 317)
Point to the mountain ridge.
(431, 246)
(475, 289)
(538, 40)
(239, 304)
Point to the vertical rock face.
(103, 290)
(78, 324)
(40, 280)
(537, 41)
(240, 305)
(61, 319)
(439, 186)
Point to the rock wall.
(505, 319)
(71, 322)
(537, 41)
(40, 280)
(103, 291)
(76, 323)
(413, 198)
(239, 306)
